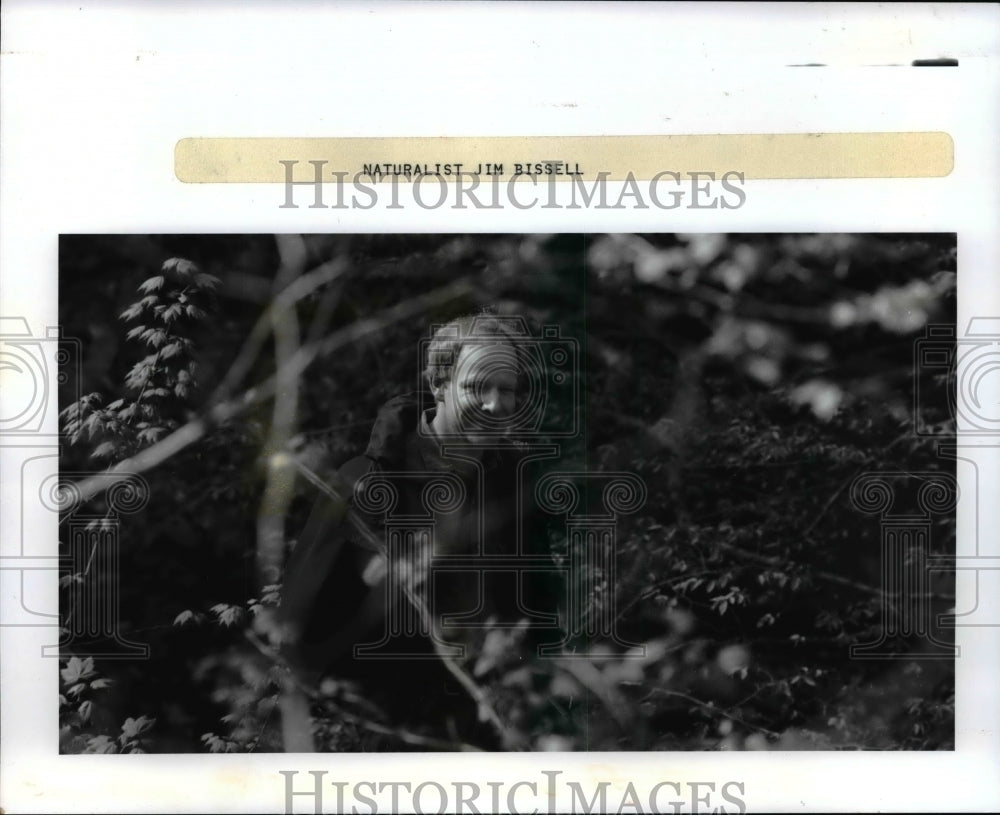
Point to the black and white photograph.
(499, 407)
(490, 492)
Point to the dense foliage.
(748, 379)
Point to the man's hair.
(449, 340)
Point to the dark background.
(747, 378)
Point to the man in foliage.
(443, 476)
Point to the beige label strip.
(755, 155)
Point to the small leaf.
(77, 689)
(104, 450)
(151, 434)
(91, 424)
(100, 684)
(206, 281)
(231, 616)
(153, 284)
(73, 670)
(184, 617)
(85, 710)
(135, 727)
(155, 337)
(172, 313)
(100, 744)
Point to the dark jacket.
(334, 591)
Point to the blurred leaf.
(821, 396)
(132, 728)
(101, 744)
(153, 284)
(185, 617)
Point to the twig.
(712, 707)
(477, 694)
(398, 733)
(829, 577)
(406, 736)
(284, 300)
(592, 679)
(267, 721)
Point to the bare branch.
(285, 299)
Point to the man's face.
(482, 393)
